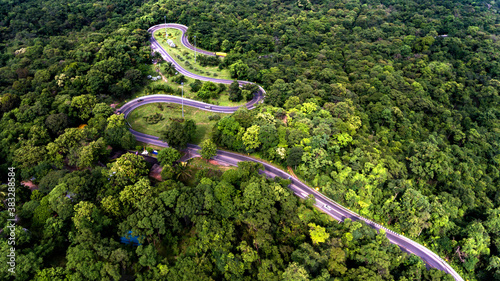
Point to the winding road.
(323, 203)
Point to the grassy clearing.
(200, 163)
(170, 110)
(187, 55)
(197, 164)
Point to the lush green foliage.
(390, 107)
(394, 105)
(244, 225)
(168, 156)
(179, 133)
(208, 149)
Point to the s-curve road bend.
(155, 46)
(325, 204)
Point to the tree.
(103, 110)
(415, 212)
(119, 137)
(84, 104)
(56, 123)
(133, 75)
(28, 155)
(127, 169)
(318, 233)
(167, 173)
(8, 102)
(208, 149)
(115, 120)
(178, 134)
(168, 156)
(295, 272)
(169, 68)
(251, 138)
(59, 203)
(294, 156)
(89, 154)
(234, 92)
(238, 70)
(268, 135)
(208, 90)
(196, 85)
(49, 181)
(179, 79)
(222, 88)
(117, 133)
(131, 195)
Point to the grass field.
(200, 163)
(170, 110)
(187, 55)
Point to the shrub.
(214, 117)
(154, 118)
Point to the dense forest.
(389, 107)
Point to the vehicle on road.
(140, 100)
(327, 207)
(208, 107)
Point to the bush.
(196, 86)
(138, 148)
(149, 150)
(154, 118)
(179, 78)
(214, 117)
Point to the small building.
(171, 43)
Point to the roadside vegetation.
(388, 107)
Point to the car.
(140, 100)
(208, 107)
(327, 207)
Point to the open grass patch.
(169, 111)
(200, 163)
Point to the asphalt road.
(158, 48)
(325, 204)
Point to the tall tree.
(168, 156)
(208, 149)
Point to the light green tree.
(251, 137)
(318, 233)
(208, 149)
(167, 156)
